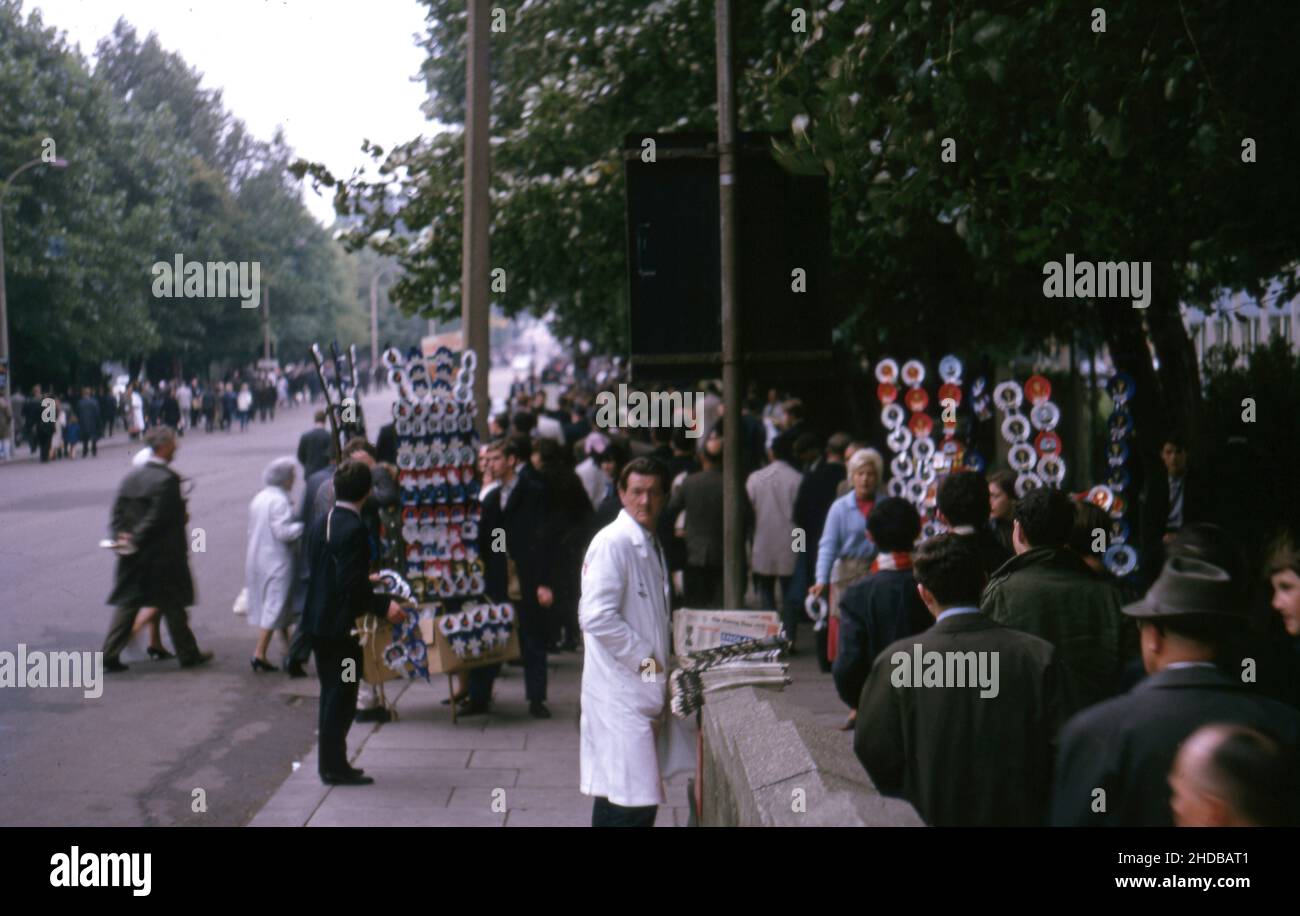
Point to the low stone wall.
(766, 766)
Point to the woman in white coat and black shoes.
(268, 565)
(630, 742)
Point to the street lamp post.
(4, 306)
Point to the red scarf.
(891, 561)
(864, 506)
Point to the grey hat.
(1186, 587)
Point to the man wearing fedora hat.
(1114, 758)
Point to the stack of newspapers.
(754, 662)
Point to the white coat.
(268, 565)
(630, 740)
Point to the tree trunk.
(1180, 377)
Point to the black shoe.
(472, 708)
(295, 669)
(538, 710)
(159, 655)
(201, 659)
(258, 665)
(378, 714)
(350, 778)
(112, 664)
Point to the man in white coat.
(630, 741)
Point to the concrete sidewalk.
(504, 769)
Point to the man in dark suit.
(315, 447)
(885, 606)
(338, 550)
(701, 496)
(91, 422)
(515, 517)
(1114, 759)
(964, 508)
(154, 568)
(1169, 501)
(386, 443)
(968, 738)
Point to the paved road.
(135, 755)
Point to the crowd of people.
(1110, 702)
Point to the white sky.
(331, 72)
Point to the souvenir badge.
(1007, 396)
(1022, 457)
(886, 371)
(469, 360)
(1052, 469)
(1121, 559)
(900, 439)
(926, 473)
(391, 358)
(916, 399)
(916, 490)
(896, 486)
(922, 450)
(1015, 428)
(901, 466)
(949, 392)
(1027, 482)
(921, 425)
(913, 373)
(887, 392)
(893, 416)
(1120, 388)
(1038, 389)
(977, 387)
(1045, 415)
(1101, 497)
(403, 409)
(1117, 454)
(1119, 531)
(931, 529)
(1118, 480)
(974, 461)
(950, 369)
(983, 408)
(1119, 506)
(1047, 443)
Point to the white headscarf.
(280, 472)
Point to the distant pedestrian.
(268, 563)
(229, 407)
(90, 419)
(6, 428)
(772, 493)
(149, 518)
(244, 404)
(1002, 506)
(700, 496)
(136, 400)
(964, 507)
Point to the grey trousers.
(178, 628)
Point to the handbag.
(241, 602)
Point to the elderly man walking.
(630, 742)
(149, 520)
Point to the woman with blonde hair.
(268, 564)
(845, 552)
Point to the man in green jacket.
(1047, 590)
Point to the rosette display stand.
(435, 541)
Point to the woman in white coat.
(630, 742)
(268, 565)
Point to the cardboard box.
(443, 660)
(694, 631)
(376, 634)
